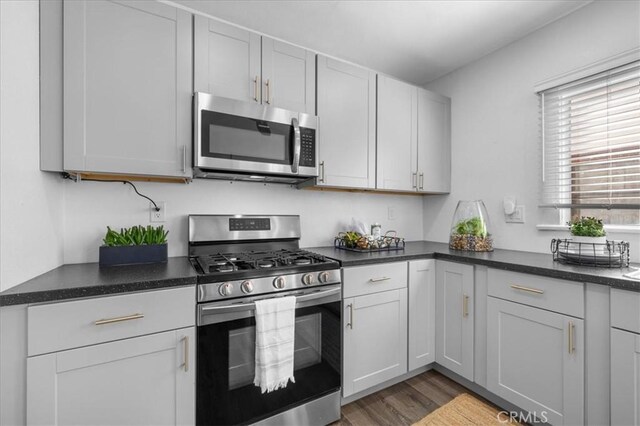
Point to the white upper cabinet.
(434, 142)
(347, 123)
(226, 60)
(127, 88)
(397, 135)
(288, 76)
(235, 63)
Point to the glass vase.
(470, 228)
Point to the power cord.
(69, 177)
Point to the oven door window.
(239, 138)
(226, 366)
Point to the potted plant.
(134, 245)
(587, 229)
(470, 228)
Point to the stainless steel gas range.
(241, 259)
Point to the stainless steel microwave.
(239, 140)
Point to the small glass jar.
(376, 231)
(470, 227)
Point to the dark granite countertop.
(89, 279)
(511, 260)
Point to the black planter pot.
(130, 255)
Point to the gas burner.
(265, 263)
(302, 261)
(227, 267)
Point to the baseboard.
(396, 380)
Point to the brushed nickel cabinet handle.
(529, 289)
(321, 179)
(572, 344)
(118, 319)
(421, 186)
(414, 180)
(268, 87)
(350, 323)
(185, 341)
(377, 280)
(255, 89)
(465, 305)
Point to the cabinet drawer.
(565, 297)
(58, 326)
(368, 279)
(625, 310)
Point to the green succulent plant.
(135, 236)
(587, 226)
(474, 226)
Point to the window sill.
(612, 229)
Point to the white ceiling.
(417, 41)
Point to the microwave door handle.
(296, 145)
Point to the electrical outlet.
(516, 217)
(391, 213)
(157, 216)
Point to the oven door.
(244, 137)
(225, 393)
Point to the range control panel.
(307, 147)
(249, 224)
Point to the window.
(591, 146)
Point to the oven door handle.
(296, 145)
(246, 308)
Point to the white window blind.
(591, 141)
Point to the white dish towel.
(275, 333)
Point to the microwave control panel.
(307, 147)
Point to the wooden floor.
(404, 403)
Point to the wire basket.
(613, 254)
(368, 244)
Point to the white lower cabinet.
(137, 381)
(625, 377)
(422, 313)
(375, 339)
(455, 317)
(535, 360)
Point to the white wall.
(91, 206)
(495, 143)
(31, 202)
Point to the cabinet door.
(397, 135)
(375, 339)
(625, 378)
(226, 60)
(127, 88)
(535, 360)
(347, 123)
(422, 313)
(288, 76)
(454, 317)
(139, 381)
(434, 142)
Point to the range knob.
(308, 279)
(323, 277)
(225, 289)
(279, 282)
(247, 287)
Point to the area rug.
(465, 410)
